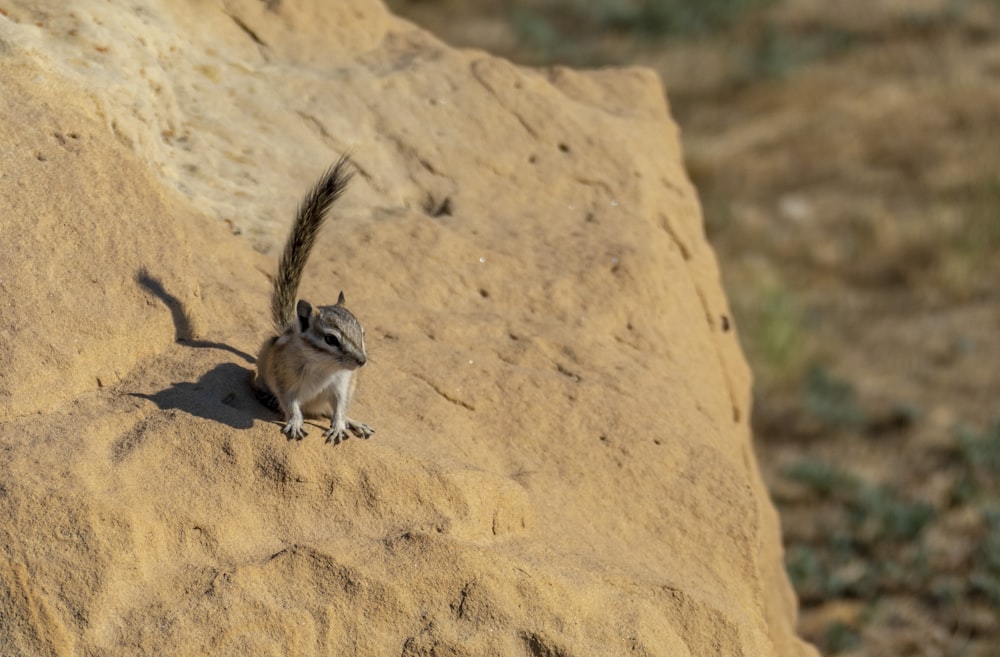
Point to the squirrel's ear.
(304, 310)
(340, 299)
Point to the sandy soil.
(563, 460)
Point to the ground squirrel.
(308, 368)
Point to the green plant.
(873, 513)
(872, 538)
(969, 259)
(985, 576)
(832, 400)
(657, 18)
(978, 483)
(880, 514)
(824, 478)
(979, 460)
(839, 637)
(775, 52)
(807, 571)
(778, 334)
(534, 29)
(570, 30)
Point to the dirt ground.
(846, 156)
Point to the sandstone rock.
(563, 462)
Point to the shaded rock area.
(563, 462)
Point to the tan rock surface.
(563, 462)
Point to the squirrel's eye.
(332, 340)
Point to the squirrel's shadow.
(223, 393)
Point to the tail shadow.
(222, 394)
(183, 329)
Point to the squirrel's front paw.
(294, 430)
(359, 429)
(336, 435)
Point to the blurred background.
(846, 155)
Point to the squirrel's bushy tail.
(308, 220)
